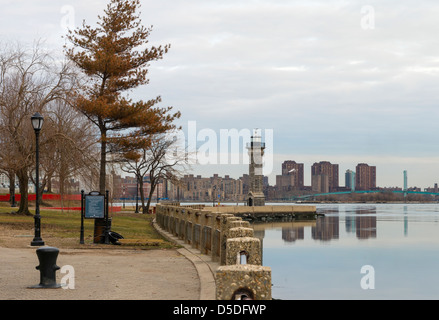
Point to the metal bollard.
(47, 257)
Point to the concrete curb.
(204, 265)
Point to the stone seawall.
(225, 234)
(227, 239)
(270, 213)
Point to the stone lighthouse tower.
(256, 152)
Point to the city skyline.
(358, 86)
(398, 178)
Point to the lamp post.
(213, 196)
(37, 122)
(123, 199)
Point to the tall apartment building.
(320, 183)
(365, 177)
(291, 178)
(350, 179)
(324, 177)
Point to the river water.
(356, 251)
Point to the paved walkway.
(206, 268)
(103, 274)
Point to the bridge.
(405, 192)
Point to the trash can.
(99, 231)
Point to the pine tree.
(114, 59)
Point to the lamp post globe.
(37, 123)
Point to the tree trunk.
(102, 177)
(49, 184)
(102, 172)
(23, 180)
(62, 180)
(61, 184)
(11, 175)
(151, 192)
(142, 193)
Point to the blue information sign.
(94, 207)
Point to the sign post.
(81, 236)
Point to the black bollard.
(47, 257)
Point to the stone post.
(243, 282)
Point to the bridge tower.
(405, 184)
(256, 152)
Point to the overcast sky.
(339, 81)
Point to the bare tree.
(162, 160)
(137, 163)
(166, 163)
(29, 81)
(71, 147)
(115, 58)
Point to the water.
(398, 244)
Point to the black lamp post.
(213, 196)
(123, 199)
(37, 122)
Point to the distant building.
(199, 188)
(4, 180)
(320, 183)
(324, 177)
(291, 177)
(127, 188)
(245, 183)
(350, 180)
(212, 189)
(365, 177)
(290, 167)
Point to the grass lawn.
(62, 229)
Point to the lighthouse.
(256, 152)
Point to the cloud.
(309, 70)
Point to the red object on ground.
(47, 196)
(50, 196)
(112, 209)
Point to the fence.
(46, 196)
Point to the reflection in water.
(293, 234)
(350, 224)
(406, 222)
(366, 223)
(322, 259)
(291, 231)
(326, 228)
(361, 221)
